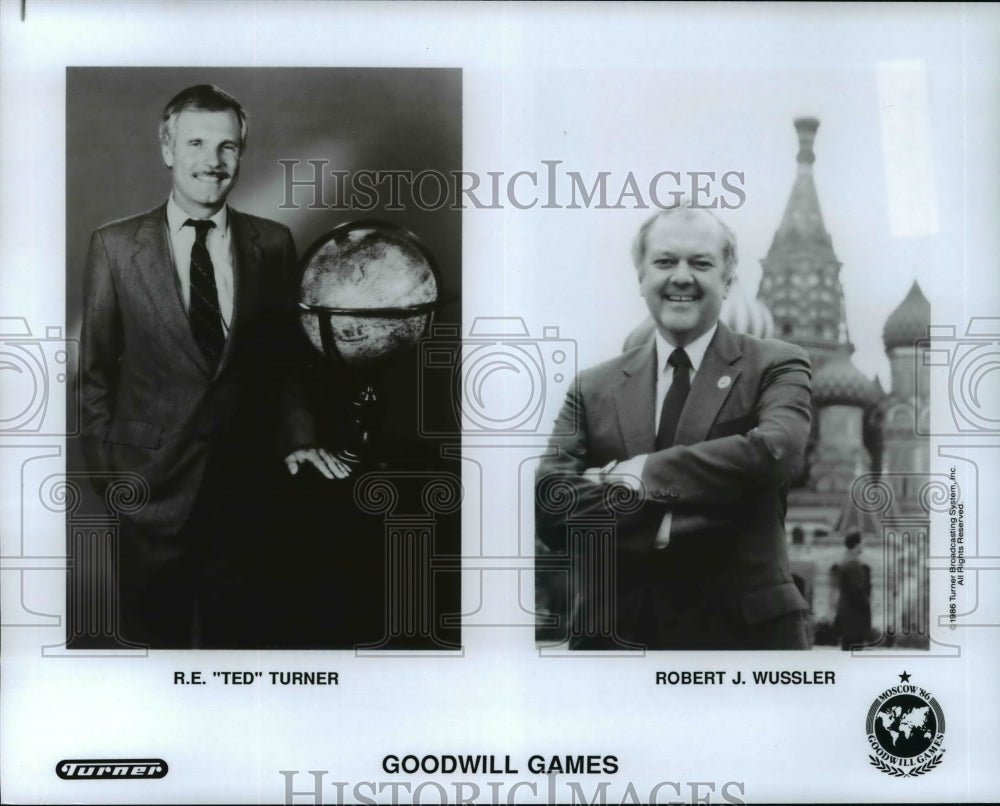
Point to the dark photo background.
(327, 567)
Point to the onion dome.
(908, 323)
(744, 314)
(840, 383)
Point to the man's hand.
(595, 474)
(320, 458)
(628, 472)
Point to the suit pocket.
(135, 434)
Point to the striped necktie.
(205, 315)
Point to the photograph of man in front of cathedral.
(771, 411)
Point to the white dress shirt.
(665, 373)
(219, 245)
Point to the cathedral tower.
(801, 274)
(906, 451)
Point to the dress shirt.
(665, 373)
(219, 245)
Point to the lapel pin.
(724, 382)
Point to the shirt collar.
(177, 218)
(695, 350)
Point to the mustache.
(216, 174)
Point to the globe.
(905, 725)
(368, 291)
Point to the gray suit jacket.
(740, 438)
(151, 404)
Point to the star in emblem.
(904, 677)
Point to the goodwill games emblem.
(905, 728)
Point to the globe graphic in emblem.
(905, 725)
(367, 294)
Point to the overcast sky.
(901, 206)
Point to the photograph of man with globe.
(259, 410)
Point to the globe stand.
(364, 440)
(363, 447)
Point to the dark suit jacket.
(740, 438)
(151, 404)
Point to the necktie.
(673, 401)
(204, 314)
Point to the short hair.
(205, 98)
(852, 539)
(729, 256)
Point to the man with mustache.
(188, 331)
(704, 428)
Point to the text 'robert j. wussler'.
(778, 677)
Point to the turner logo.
(123, 768)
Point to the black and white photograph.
(498, 403)
(733, 512)
(234, 427)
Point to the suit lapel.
(712, 384)
(246, 277)
(635, 401)
(154, 264)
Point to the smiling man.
(704, 428)
(188, 331)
